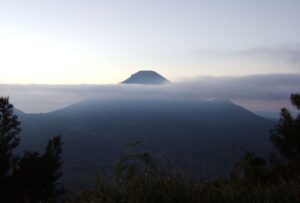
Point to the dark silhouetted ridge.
(146, 77)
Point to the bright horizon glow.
(100, 42)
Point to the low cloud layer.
(257, 92)
(265, 87)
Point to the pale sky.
(100, 42)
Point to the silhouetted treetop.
(32, 177)
(9, 139)
(286, 135)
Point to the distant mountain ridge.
(146, 77)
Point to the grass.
(165, 189)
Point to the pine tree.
(33, 177)
(135, 164)
(37, 175)
(286, 135)
(285, 138)
(52, 158)
(9, 139)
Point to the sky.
(103, 42)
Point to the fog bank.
(256, 92)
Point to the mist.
(267, 92)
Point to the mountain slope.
(203, 138)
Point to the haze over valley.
(257, 93)
(190, 131)
(132, 101)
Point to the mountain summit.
(146, 77)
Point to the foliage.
(253, 179)
(134, 164)
(9, 140)
(286, 135)
(32, 177)
(9, 136)
(168, 189)
(37, 175)
(252, 168)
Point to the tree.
(252, 168)
(286, 140)
(33, 177)
(52, 158)
(286, 135)
(135, 164)
(37, 175)
(9, 139)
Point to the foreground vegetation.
(175, 189)
(252, 180)
(33, 177)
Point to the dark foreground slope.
(194, 137)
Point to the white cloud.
(256, 92)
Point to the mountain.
(269, 115)
(193, 137)
(19, 112)
(146, 77)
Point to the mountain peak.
(146, 77)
